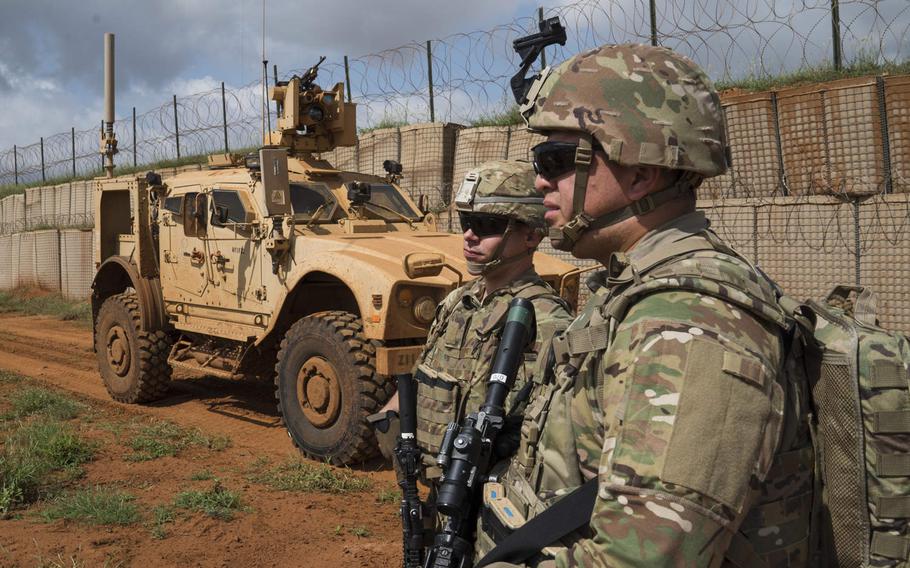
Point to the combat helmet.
(501, 188)
(643, 105)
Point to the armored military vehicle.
(275, 265)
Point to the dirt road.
(279, 529)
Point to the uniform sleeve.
(692, 414)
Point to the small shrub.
(297, 475)
(217, 502)
(93, 506)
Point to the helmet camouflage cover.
(502, 187)
(645, 105)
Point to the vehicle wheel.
(326, 386)
(133, 362)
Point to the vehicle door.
(233, 254)
(182, 227)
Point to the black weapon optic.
(529, 48)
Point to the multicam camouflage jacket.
(668, 390)
(462, 341)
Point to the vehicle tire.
(326, 386)
(132, 362)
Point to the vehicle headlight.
(424, 309)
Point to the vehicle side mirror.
(220, 216)
(423, 264)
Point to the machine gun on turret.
(311, 119)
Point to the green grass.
(93, 506)
(507, 117)
(202, 475)
(50, 304)
(217, 502)
(386, 122)
(360, 532)
(863, 65)
(297, 475)
(160, 439)
(8, 377)
(162, 515)
(388, 496)
(41, 401)
(36, 457)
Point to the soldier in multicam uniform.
(668, 389)
(501, 215)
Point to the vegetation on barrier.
(32, 301)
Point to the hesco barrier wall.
(817, 195)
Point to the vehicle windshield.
(387, 196)
(306, 200)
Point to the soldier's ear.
(645, 180)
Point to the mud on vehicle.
(278, 266)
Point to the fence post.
(43, 177)
(73, 134)
(224, 117)
(543, 52)
(654, 23)
(430, 80)
(15, 165)
(100, 154)
(782, 175)
(134, 137)
(886, 140)
(176, 127)
(835, 34)
(347, 77)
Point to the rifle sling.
(567, 515)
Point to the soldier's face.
(606, 191)
(481, 249)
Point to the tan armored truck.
(277, 266)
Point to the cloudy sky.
(51, 63)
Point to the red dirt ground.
(279, 529)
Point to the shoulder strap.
(542, 289)
(567, 515)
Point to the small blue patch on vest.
(493, 494)
(508, 511)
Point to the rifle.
(467, 448)
(408, 455)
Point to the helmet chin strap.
(566, 237)
(496, 259)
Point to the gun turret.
(311, 119)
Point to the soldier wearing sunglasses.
(669, 427)
(501, 217)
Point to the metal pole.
(430, 80)
(15, 165)
(275, 80)
(347, 77)
(43, 178)
(102, 137)
(265, 95)
(73, 134)
(224, 117)
(543, 52)
(886, 138)
(835, 34)
(134, 137)
(653, 23)
(176, 127)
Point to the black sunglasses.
(553, 159)
(482, 225)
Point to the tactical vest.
(548, 455)
(453, 369)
